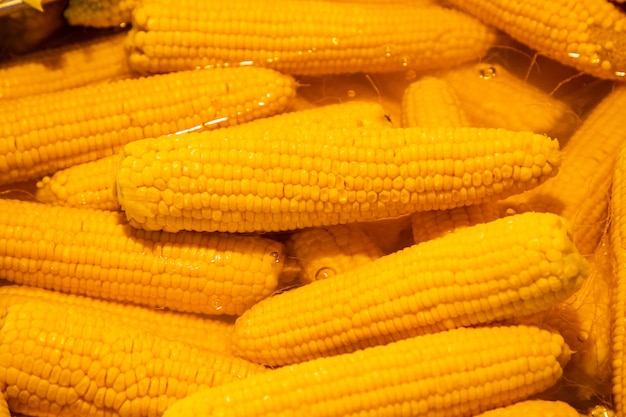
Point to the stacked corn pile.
(315, 207)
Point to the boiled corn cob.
(324, 252)
(4, 407)
(432, 102)
(588, 35)
(201, 331)
(510, 267)
(95, 253)
(584, 322)
(261, 181)
(47, 132)
(458, 373)
(617, 235)
(99, 59)
(526, 408)
(339, 37)
(492, 96)
(99, 13)
(580, 191)
(64, 361)
(92, 184)
(431, 224)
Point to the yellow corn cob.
(202, 331)
(510, 267)
(617, 236)
(492, 96)
(432, 102)
(328, 251)
(99, 59)
(530, 408)
(99, 13)
(92, 184)
(95, 253)
(580, 191)
(47, 132)
(255, 180)
(589, 35)
(63, 361)
(4, 407)
(585, 323)
(458, 373)
(431, 224)
(338, 37)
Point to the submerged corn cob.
(47, 132)
(529, 408)
(92, 184)
(338, 37)
(492, 96)
(64, 361)
(96, 253)
(99, 13)
(250, 180)
(4, 407)
(617, 235)
(324, 252)
(432, 102)
(207, 333)
(589, 35)
(431, 224)
(458, 373)
(99, 59)
(584, 322)
(580, 191)
(510, 267)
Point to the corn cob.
(526, 408)
(99, 13)
(458, 373)
(431, 224)
(47, 132)
(95, 253)
(492, 96)
(201, 331)
(92, 184)
(580, 191)
(432, 102)
(584, 322)
(617, 236)
(328, 251)
(587, 35)
(63, 361)
(510, 267)
(340, 37)
(100, 59)
(252, 181)
(4, 407)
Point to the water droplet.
(410, 75)
(387, 50)
(335, 41)
(351, 93)
(487, 73)
(216, 303)
(406, 60)
(325, 272)
(276, 256)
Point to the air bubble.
(487, 73)
(216, 303)
(351, 93)
(325, 272)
